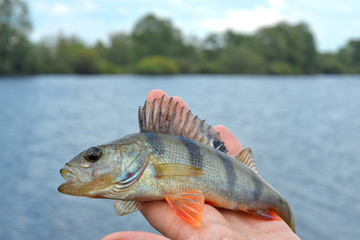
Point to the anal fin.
(188, 205)
(266, 214)
(126, 207)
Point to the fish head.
(93, 172)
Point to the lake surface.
(304, 132)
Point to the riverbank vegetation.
(156, 46)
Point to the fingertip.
(182, 103)
(155, 93)
(231, 142)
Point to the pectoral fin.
(177, 169)
(188, 205)
(126, 207)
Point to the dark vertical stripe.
(230, 173)
(258, 187)
(196, 159)
(156, 143)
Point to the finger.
(156, 93)
(161, 217)
(132, 235)
(250, 225)
(231, 142)
(182, 103)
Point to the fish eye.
(93, 154)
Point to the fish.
(176, 157)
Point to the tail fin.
(284, 211)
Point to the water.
(304, 132)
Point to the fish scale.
(220, 170)
(176, 157)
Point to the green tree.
(289, 44)
(103, 63)
(154, 36)
(353, 51)
(100, 49)
(118, 51)
(211, 50)
(67, 55)
(189, 56)
(44, 56)
(157, 65)
(330, 63)
(65, 52)
(241, 55)
(345, 60)
(242, 60)
(85, 61)
(213, 46)
(233, 40)
(15, 49)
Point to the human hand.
(215, 223)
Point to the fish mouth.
(72, 179)
(76, 186)
(69, 175)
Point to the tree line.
(156, 46)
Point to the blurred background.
(282, 75)
(167, 37)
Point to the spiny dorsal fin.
(246, 157)
(164, 115)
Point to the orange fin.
(187, 205)
(266, 214)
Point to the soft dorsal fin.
(164, 115)
(246, 157)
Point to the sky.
(332, 22)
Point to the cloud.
(90, 6)
(276, 4)
(244, 20)
(332, 22)
(60, 9)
